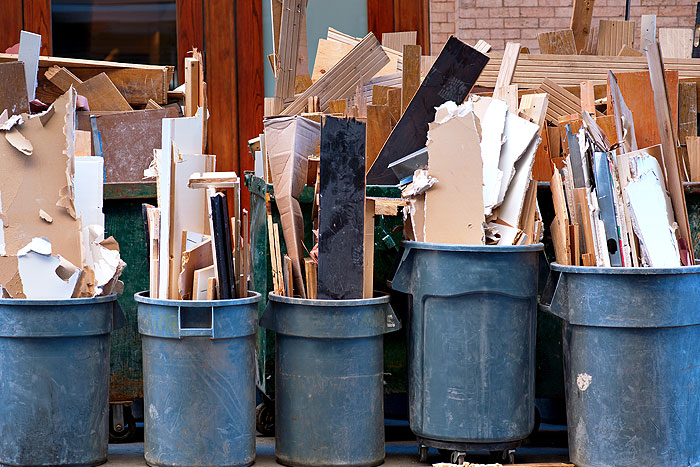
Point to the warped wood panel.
(363, 62)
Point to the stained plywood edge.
(557, 42)
(340, 82)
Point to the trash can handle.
(193, 326)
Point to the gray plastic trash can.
(329, 407)
(631, 340)
(54, 380)
(471, 344)
(198, 380)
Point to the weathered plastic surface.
(632, 363)
(329, 408)
(54, 380)
(471, 340)
(199, 380)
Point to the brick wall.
(501, 21)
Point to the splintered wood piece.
(588, 259)
(505, 73)
(453, 75)
(581, 15)
(588, 97)
(560, 239)
(613, 34)
(411, 74)
(676, 42)
(311, 278)
(62, 78)
(192, 71)
(388, 206)
(102, 94)
(341, 209)
(288, 277)
(558, 198)
(378, 130)
(368, 250)
(672, 166)
(559, 42)
(528, 218)
(278, 260)
(337, 107)
(575, 249)
(274, 254)
(152, 105)
(286, 56)
(340, 82)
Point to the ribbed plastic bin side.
(199, 380)
(631, 363)
(329, 409)
(471, 341)
(54, 380)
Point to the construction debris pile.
(52, 240)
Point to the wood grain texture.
(557, 42)
(637, 92)
(341, 209)
(561, 101)
(62, 78)
(693, 145)
(627, 51)
(286, 58)
(581, 15)
(410, 75)
(102, 94)
(507, 69)
(190, 31)
(456, 70)
(378, 130)
(380, 16)
(396, 40)
(588, 97)
(11, 21)
(613, 34)
(13, 93)
(413, 15)
(37, 19)
(676, 42)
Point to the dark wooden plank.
(250, 82)
(190, 32)
(413, 15)
(13, 93)
(450, 79)
(37, 19)
(221, 234)
(10, 24)
(380, 17)
(341, 209)
(127, 140)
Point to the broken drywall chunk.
(107, 263)
(6, 124)
(518, 135)
(422, 182)
(45, 276)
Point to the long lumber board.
(137, 83)
(567, 70)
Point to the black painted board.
(222, 243)
(341, 209)
(450, 79)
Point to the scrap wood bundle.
(617, 204)
(52, 243)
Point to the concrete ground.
(401, 450)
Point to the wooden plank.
(560, 240)
(13, 95)
(153, 214)
(378, 130)
(574, 238)
(102, 94)
(676, 42)
(368, 250)
(311, 278)
(410, 74)
(505, 73)
(636, 91)
(557, 42)
(395, 58)
(212, 286)
(286, 58)
(61, 77)
(37, 19)
(672, 165)
(380, 16)
(274, 251)
(396, 40)
(693, 146)
(413, 15)
(627, 51)
(288, 280)
(192, 72)
(455, 72)
(341, 209)
(648, 32)
(581, 15)
(480, 46)
(687, 121)
(584, 217)
(588, 97)
(696, 31)
(340, 82)
(560, 101)
(534, 107)
(11, 22)
(613, 34)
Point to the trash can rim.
(60, 302)
(142, 297)
(328, 303)
(624, 270)
(472, 248)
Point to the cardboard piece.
(196, 258)
(289, 141)
(454, 208)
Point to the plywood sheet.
(613, 34)
(102, 94)
(13, 92)
(676, 42)
(557, 42)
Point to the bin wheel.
(423, 454)
(508, 456)
(458, 457)
(265, 420)
(121, 432)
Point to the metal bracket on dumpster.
(192, 321)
